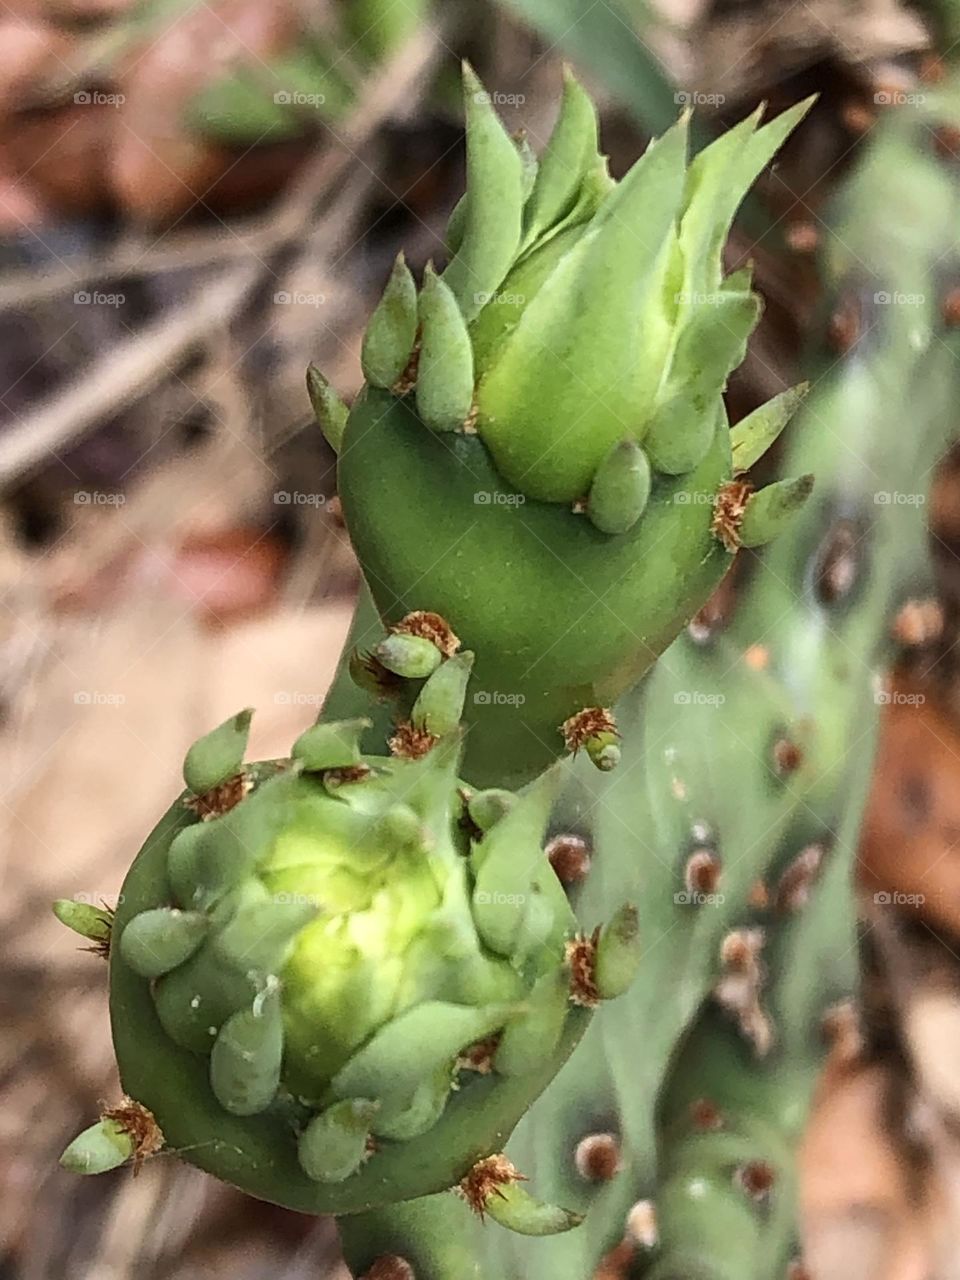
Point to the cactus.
(567, 486)
(341, 981)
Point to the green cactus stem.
(568, 483)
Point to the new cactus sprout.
(501, 865)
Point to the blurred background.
(196, 199)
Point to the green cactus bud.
(330, 411)
(567, 158)
(494, 210)
(439, 704)
(754, 434)
(531, 1037)
(246, 1056)
(102, 1147)
(770, 510)
(392, 331)
(339, 965)
(620, 488)
(157, 941)
(334, 1143)
(218, 755)
(412, 657)
(591, 345)
(619, 950)
(94, 923)
(487, 807)
(491, 1189)
(445, 369)
(333, 745)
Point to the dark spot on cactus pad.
(705, 1116)
(479, 1057)
(369, 673)
(582, 962)
(429, 626)
(757, 1179)
(390, 1267)
(838, 562)
(411, 743)
(787, 757)
(845, 325)
(597, 1157)
(759, 896)
(570, 856)
(798, 1271)
(794, 886)
(701, 875)
(916, 799)
(221, 799)
(595, 730)
(739, 987)
(728, 508)
(950, 307)
(946, 142)
(485, 1180)
(802, 236)
(134, 1119)
(615, 1265)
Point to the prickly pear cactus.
(733, 816)
(539, 445)
(339, 980)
